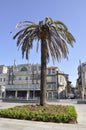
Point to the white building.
(22, 82)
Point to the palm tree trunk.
(43, 73)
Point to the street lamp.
(83, 84)
(2, 91)
(33, 81)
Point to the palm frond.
(24, 23)
(54, 33)
(61, 25)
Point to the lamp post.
(83, 84)
(33, 81)
(82, 74)
(57, 84)
(3, 91)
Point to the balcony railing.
(29, 87)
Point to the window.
(14, 78)
(4, 79)
(61, 79)
(49, 86)
(26, 78)
(24, 69)
(53, 87)
(49, 71)
(0, 79)
(39, 76)
(39, 68)
(53, 78)
(53, 71)
(19, 78)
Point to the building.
(62, 85)
(22, 82)
(81, 80)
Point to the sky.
(71, 12)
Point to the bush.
(49, 113)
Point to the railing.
(12, 87)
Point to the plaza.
(13, 124)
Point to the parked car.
(71, 96)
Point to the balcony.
(21, 87)
(51, 79)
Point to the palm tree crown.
(54, 33)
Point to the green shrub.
(70, 115)
(49, 113)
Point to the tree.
(53, 37)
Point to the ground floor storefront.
(27, 94)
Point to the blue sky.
(71, 12)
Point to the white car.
(71, 96)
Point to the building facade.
(81, 80)
(22, 82)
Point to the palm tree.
(53, 37)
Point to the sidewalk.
(81, 111)
(12, 124)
